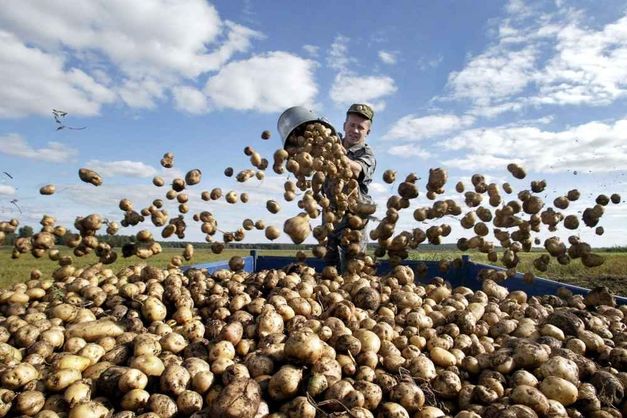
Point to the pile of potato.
(148, 342)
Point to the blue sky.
(466, 85)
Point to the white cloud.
(142, 93)
(6, 190)
(90, 54)
(338, 58)
(409, 151)
(387, 57)
(425, 64)
(415, 128)
(189, 99)
(494, 74)
(14, 144)
(146, 36)
(516, 7)
(589, 66)
(122, 168)
(312, 50)
(36, 82)
(596, 146)
(266, 83)
(377, 187)
(349, 88)
(540, 59)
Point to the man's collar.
(356, 147)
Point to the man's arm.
(364, 165)
(355, 167)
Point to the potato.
(132, 379)
(222, 349)
(284, 383)
(269, 322)
(29, 402)
(150, 365)
(94, 372)
(195, 365)
(368, 339)
(273, 206)
(442, 357)
(77, 392)
(174, 379)
(430, 412)
(135, 399)
(202, 381)
(6, 398)
(304, 346)
(193, 177)
(95, 330)
(92, 352)
(153, 309)
(409, 396)
(559, 367)
(297, 228)
(317, 384)
(61, 379)
(523, 377)
(609, 388)
(232, 332)
(162, 405)
(189, 402)
(89, 409)
(392, 409)
(15, 378)
(552, 331)
(446, 384)
(240, 399)
(529, 355)
(219, 365)
(47, 189)
(559, 389)
(272, 232)
(90, 176)
(592, 341)
(422, 367)
(389, 176)
(531, 397)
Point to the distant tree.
(25, 231)
(9, 239)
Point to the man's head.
(357, 124)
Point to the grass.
(613, 273)
(18, 270)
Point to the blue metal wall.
(467, 275)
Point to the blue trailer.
(466, 275)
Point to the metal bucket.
(295, 117)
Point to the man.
(362, 163)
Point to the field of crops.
(613, 273)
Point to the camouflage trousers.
(336, 253)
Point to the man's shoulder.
(361, 149)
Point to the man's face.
(356, 129)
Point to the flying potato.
(89, 176)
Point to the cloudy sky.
(465, 85)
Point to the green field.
(613, 273)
